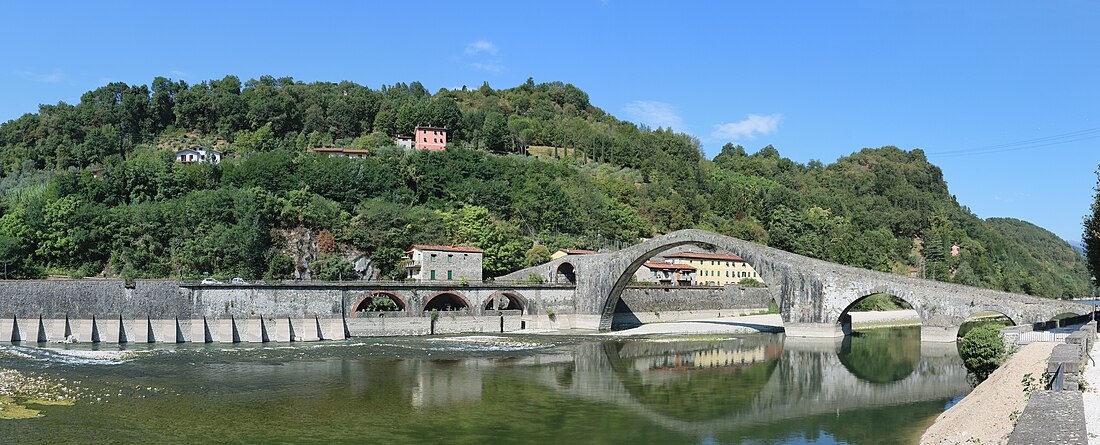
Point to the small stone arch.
(447, 301)
(914, 302)
(360, 306)
(565, 273)
(1014, 320)
(513, 300)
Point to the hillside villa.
(336, 152)
(430, 138)
(198, 154)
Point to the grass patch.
(11, 410)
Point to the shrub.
(982, 350)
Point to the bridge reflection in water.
(707, 388)
(882, 387)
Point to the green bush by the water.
(982, 349)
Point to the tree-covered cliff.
(91, 188)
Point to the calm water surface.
(878, 388)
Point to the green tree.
(537, 255)
(495, 133)
(333, 268)
(1091, 237)
(982, 349)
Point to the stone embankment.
(1033, 397)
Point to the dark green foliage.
(982, 349)
(614, 182)
(334, 268)
(1091, 237)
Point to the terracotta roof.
(339, 150)
(579, 252)
(451, 248)
(428, 127)
(705, 256)
(669, 266)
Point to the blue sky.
(1004, 96)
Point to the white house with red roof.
(666, 273)
(426, 262)
(198, 154)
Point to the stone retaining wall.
(638, 305)
(1057, 415)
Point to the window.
(425, 139)
(433, 258)
(433, 274)
(450, 258)
(449, 277)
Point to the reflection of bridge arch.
(880, 361)
(364, 303)
(807, 381)
(506, 300)
(446, 301)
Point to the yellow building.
(713, 269)
(563, 252)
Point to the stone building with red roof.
(666, 273)
(426, 262)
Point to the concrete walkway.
(1092, 396)
(725, 325)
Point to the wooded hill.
(92, 189)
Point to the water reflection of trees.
(881, 355)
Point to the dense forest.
(92, 190)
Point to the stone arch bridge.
(812, 294)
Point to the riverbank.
(987, 415)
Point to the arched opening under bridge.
(981, 318)
(506, 301)
(446, 301)
(381, 302)
(690, 280)
(565, 274)
(883, 336)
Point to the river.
(878, 388)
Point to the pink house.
(430, 138)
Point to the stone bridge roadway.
(812, 294)
(808, 379)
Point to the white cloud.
(749, 127)
(482, 55)
(492, 67)
(481, 46)
(53, 77)
(177, 74)
(654, 114)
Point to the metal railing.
(1059, 379)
